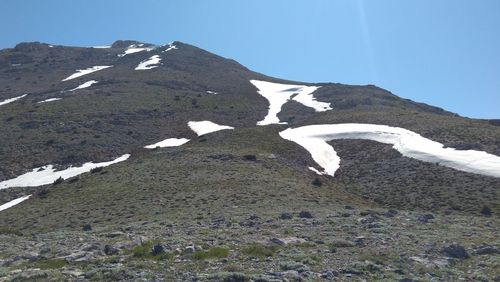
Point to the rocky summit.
(143, 162)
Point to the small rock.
(486, 250)
(486, 211)
(87, 227)
(360, 240)
(190, 249)
(316, 182)
(250, 158)
(455, 251)
(114, 234)
(286, 241)
(286, 215)
(390, 213)
(305, 214)
(157, 249)
(329, 274)
(75, 273)
(290, 275)
(425, 218)
(110, 250)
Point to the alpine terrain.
(137, 162)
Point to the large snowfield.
(278, 94)
(410, 144)
(47, 174)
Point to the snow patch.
(212, 92)
(85, 85)
(49, 100)
(134, 48)
(171, 46)
(102, 47)
(150, 63)
(10, 100)
(14, 202)
(278, 94)
(86, 71)
(410, 144)
(170, 142)
(47, 174)
(205, 126)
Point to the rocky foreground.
(346, 244)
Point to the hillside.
(223, 204)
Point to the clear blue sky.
(445, 53)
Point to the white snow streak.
(212, 92)
(50, 100)
(150, 63)
(171, 46)
(85, 85)
(14, 202)
(47, 174)
(410, 144)
(10, 100)
(278, 94)
(204, 127)
(135, 48)
(170, 142)
(86, 71)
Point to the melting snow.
(150, 63)
(410, 144)
(278, 94)
(49, 100)
(135, 48)
(85, 85)
(170, 142)
(204, 127)
(14, 202)
(102, 47)
(212, 92)
(10, 100)
(47, 174)
(86, 71)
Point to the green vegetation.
(212, 253)
(51, 263)
(259, 250)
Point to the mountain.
(383, 190)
